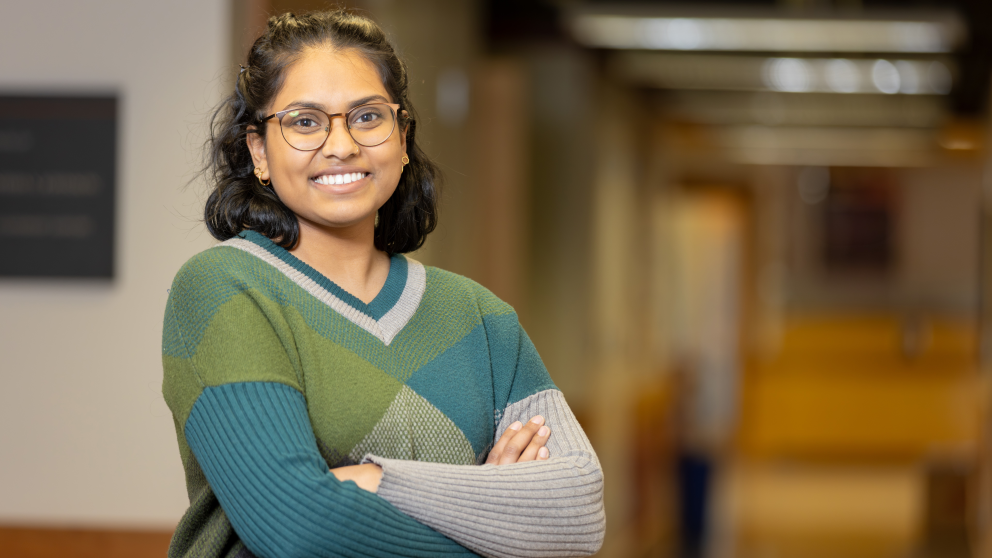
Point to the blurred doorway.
(708, 271)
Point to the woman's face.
(335, 82)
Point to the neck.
(346, 256)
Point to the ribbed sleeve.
(256, 447)
(548, 508)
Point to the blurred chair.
(854, 439)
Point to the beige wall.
(936, 244)
(86, 438)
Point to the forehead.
(329, 77)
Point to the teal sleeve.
(255, 445)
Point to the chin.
(341, 221)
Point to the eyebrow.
(320, 106)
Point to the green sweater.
(275, 374)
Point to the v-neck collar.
(377, 308)
(384, 316)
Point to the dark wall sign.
(859, 220)
(57, 162)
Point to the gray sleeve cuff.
(539, 508)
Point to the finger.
(536, 444)
(520, 440)
(503, 440)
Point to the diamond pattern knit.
(428, 373)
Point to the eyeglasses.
(306, 129)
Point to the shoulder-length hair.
(239, 202)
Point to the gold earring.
(405, 159)
(258, 175)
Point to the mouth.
(336, 179)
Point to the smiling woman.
(333, 397)
(308, 175)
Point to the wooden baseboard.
(24, 542)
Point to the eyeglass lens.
(369, 125)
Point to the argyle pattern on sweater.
(422, 372)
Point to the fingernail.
(543, 452)
(516, 426)
(544, 431)
(537, 420)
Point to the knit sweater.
(274, 374)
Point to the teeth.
(339, 178)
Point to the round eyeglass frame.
(393, 107)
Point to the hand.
(521, 443)
(366, 476)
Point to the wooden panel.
(24, 542)
(499, 90)
(845, 415)
(877, 337)
(818, 511)
(865, 387)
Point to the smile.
(347, 178)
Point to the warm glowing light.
(885, 76)
(771, 35)
(671, 34)
(958, 145)
(717, 72)
(909, 77)
(788, 74)
(842, 76)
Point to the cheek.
(287, 196)
(289, 164)
(391, 160)
(388, 193)
(394, 175)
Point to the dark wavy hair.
(239, 202)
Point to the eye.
(367, 117)
(304, 122)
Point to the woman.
(331, 396)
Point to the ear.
(256, 145)
(405, 130)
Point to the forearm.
(551, 508)
(254, 443)
(366, 476)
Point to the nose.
(339, 143)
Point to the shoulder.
(235, 265)
(220, 263)
(216, 276)
(445, 287)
